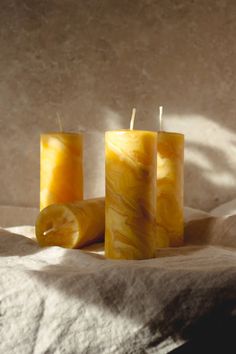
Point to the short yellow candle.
(170, 161)
(130, 204)
(61, 168)
(71, 225)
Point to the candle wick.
(160, 117)
(59, 122)
(49, 231)
(132, 119)
(53, 229)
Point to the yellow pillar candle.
(130, 194)
(170, 160)
(71, 225)
(61, 168)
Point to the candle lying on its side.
(61, 168)
(130, 194)
(71, 225)
(170, 163)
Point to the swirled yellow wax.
(130, 203)
(71, 225)
(61, 168)
(170, 164)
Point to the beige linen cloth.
(55, 300)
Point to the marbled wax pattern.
(72, 225)
(130, 194)
(61, 168)
(170, 165)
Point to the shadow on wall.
(210, 175)
(93, 61)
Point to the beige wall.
(92, 61)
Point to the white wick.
(49, 230)
(54, 229)
(59, 122)
(132, 119)
(160, 117)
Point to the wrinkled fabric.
(55, 300)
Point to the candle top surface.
(171, 133)
(62, 133)
(131, 131)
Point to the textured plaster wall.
(92, 61)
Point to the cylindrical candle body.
(71, 225)
(61, 168)
(130, 204)
(170, 163)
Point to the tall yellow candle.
(130, 203)
(61, 168)
(170, 161)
